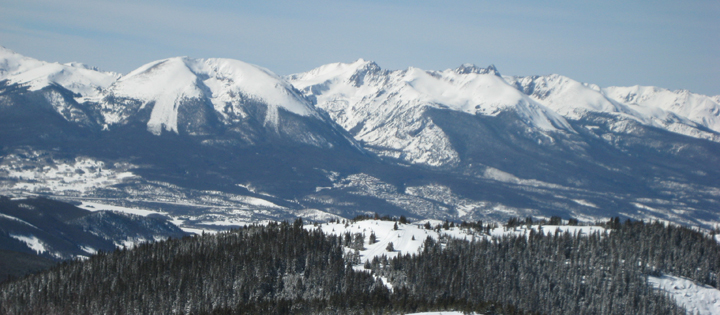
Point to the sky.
(670, 44)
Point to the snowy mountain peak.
(225, 83)
(700, 109)
(468, 68)
(679, 111)
(36, 74)
(386, 109)
(347, 72)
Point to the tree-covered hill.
(284, 268)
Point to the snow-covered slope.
(36, 74)
(701, 109)
(695, 298)
(408, 238)
(227, 84)
(680, 111)
(387, 109)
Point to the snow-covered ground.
(695, 298)
(32, 241)
(356, 95)
(95, 206)
(408, 238)
(61, 177)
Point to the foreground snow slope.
(695, 298)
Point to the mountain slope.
(212, 143)
(386, 109)
(679, 112)
(60, 231)
(215, 89)
(35, 74)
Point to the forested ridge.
(560, 273)
(283, 268)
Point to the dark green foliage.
(198, 274)
(555, 220)
(404, 220)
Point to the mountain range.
(214, 143)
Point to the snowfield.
(31, 241)
(695, 298)
(408, 238)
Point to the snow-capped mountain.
(36, 75)
(175, 87)
(239, 102)
(212, 143)
(386, 110)
(700, 109)
(680, 111)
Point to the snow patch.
(88, 249)
(4, 216)
(695, 298)
(31, 241)
(95, 206)
(586, 203)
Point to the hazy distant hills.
(212, 143)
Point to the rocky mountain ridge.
(215, 143)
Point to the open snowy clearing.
(408, 238)
(695, 298)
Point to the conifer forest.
(283, 268)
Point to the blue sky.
(671, 44)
